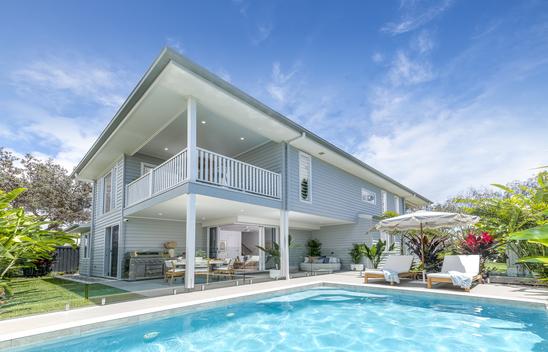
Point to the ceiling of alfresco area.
(214, 133)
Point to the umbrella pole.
(422, 256)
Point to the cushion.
(305, 260)
(439, 275)
(373, 271)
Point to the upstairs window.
(107, 192)
(369, 196)
(305, 177)
(384, 199)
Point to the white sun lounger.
(400, 264)
(466, 264)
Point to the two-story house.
(192, 160)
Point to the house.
(192, 160)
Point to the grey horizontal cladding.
(132, 169)
(297, 252)
(151, 234)
(338, 240)
(103, 220)
(268, 156)
(221, 192)
(334, 192)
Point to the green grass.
(41, 295)
(496, 267)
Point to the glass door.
(111, 250)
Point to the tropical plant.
(274, 253)
(535, 236)
(314, 248)
(482, 244)
(431, 244)
(24, 239)
(357, 252)
(374, 253)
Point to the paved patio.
(33, 329)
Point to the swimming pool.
(331, 319)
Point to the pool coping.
(27, 337)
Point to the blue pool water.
(332, 319)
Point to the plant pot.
(356, 267)
(274, 273)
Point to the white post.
(261, 253)
(284, 244)
(192, 153)
(190, 240)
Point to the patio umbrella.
(421, 220)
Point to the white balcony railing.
(212, 168)
(231, 173)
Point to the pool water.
(332, 319)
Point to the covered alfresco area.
(213, 239)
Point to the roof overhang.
(165, 86)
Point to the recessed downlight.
(166, 149)
(160, 214)
(203, 122)
(242, 138)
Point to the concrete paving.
(39, 328)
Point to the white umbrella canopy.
(423, 219)
(426, 220)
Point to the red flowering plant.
(482, 244)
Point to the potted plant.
(314, 249)
(170, 246)
(274, 254)
(356, 254)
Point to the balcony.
(212, 168)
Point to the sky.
(440, 95)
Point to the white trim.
(365, 191)
(146, 164)
(384, 200)
(309, 157)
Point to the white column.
(284, 244)
(190, 240)
(262, 256)
(191, 139)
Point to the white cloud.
(56, 77)
(443, 156)
(407, 71)
(377, 57)
(415, 14)
(280, 86)
(262, 33)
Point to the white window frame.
(146, 165)
(384, 199)
(309, 158)
(365, 192)
(104, 192)
(397, 204)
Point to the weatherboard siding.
(267, 156)
(132, 168)
(334, 192)
(338, 240)
(103, 220)
(151, 234)
(297, 252)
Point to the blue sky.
(441, 95)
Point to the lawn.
(496, 267)
(41, 295)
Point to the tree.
(52, 194)
(24, 238)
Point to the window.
(84, 243)
(146, 168)
(384, 199)
(107, 192)
(369, 196)
(305, 177)
(397, 204)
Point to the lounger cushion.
(468, 264)
(374, 271)
(398, 263)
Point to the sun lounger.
(399, 264)
(455, 268)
